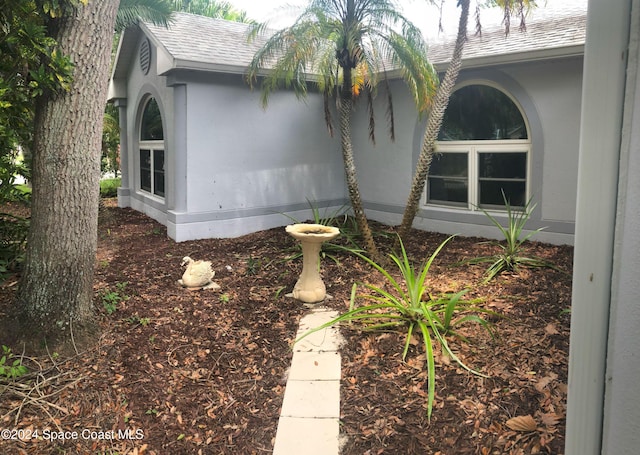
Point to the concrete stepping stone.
(309, 419)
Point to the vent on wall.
(145, 56)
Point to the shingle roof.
(197, 42)
(547, 34)
(205, 41)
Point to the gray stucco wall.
(246, 162)
(550, 95)
(139, 88)
(245, 166)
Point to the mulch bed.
(189, 372)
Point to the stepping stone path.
(309, 419)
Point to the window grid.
(473, 178)
(152, 168)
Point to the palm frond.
(158, 12)
(330, 39)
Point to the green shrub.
(13, 241)
(11, 369)
(409, 307)
(109, 187)
(111, 299)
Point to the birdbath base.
(310, 288)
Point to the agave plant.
(407, 306)
(511, 256)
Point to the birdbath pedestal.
(310, 288)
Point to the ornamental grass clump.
(407, 306)
(511, 256)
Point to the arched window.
(152, 150)
(482, 152)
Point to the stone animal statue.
(198, 273)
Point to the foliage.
(130, 12)
(112, 298)
(110, 161)
(31, 65)
(8, 369)
(13, 240)
(511, 255)
(409, 307)
(109, 187)
(332, 39)
(212, 8)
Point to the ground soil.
(191, 372)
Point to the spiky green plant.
(511, 255)
(409, 307)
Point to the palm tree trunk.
(56, 289)
(440, 103)
(346, 107)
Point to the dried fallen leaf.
(549, 419)
(544, 382)
(551, 329)
(522, 423)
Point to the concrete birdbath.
(310, 288)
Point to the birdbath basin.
(310, 288)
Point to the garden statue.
(198, 274)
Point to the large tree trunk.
(57, 284)
(434, 122)
(346, 108)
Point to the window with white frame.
(482, 152)
(152, 150)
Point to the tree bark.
(345, 108)
(56, 289)
(434, 122)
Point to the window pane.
(480, 112)
(158, 172)
(491, 192)
(158, 184)
(145, 170)
(449, 165)
(158, 161)
(448, 179)
(448, 191)
(502, 165)
(151, 128)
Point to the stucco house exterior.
(200, 155)
(581, 101)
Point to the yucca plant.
(511, 256)
(407, 306)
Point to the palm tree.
(346, 48)
(441, 101)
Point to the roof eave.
(191, 65)
(517, 57)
